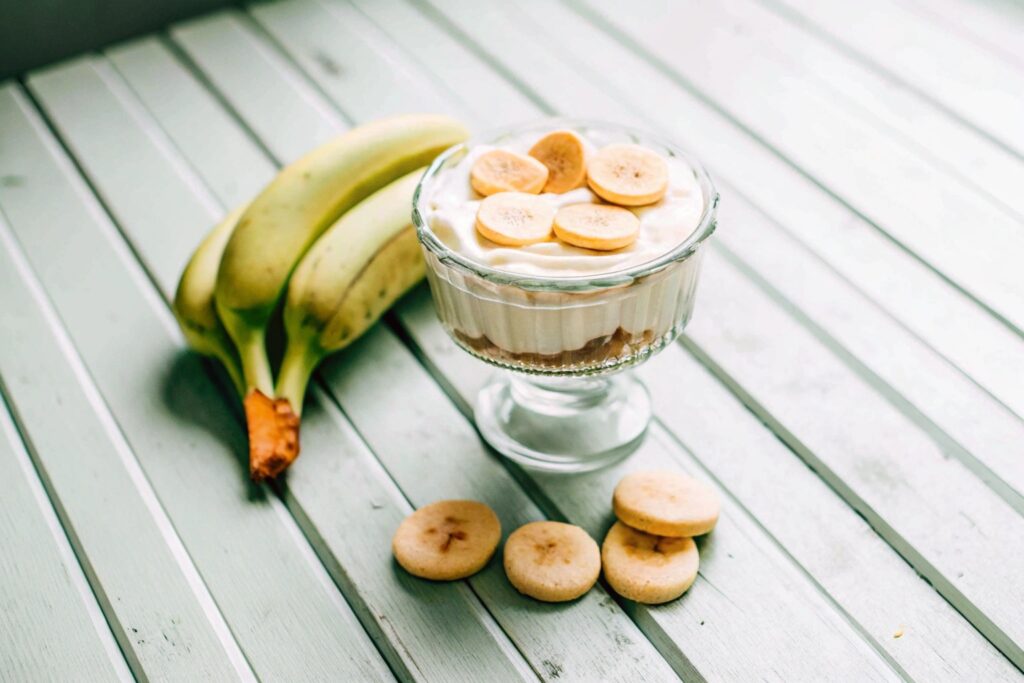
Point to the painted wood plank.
(973, 84)
(154, 600)
(912, 202)
(980, 165)
(956, 533)
(164, 86)
(955, 626)
(461, 644)
(995, 24)
(275, 596)
(51, 626)
(980, 346)
(833, 543)
(598, 512)
(326, 40)
(300, 118)
(547, 634)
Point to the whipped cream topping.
(451, 214)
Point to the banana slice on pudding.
(503, 171)
(515, 219)
(564, 153)
(596, 226)
(628, 175)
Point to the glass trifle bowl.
(564, 323)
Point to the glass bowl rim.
(680, 252)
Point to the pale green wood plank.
(953, 628)
(973, 84)
(980, 346)
(996, 24)
(300, 119)
(727, 626)
(836, 546)
(547, 635)
(802, 606)
(411, 633)
(332, 42)
(444, 632)
(157, 606)
(981, 166)
(917, 205)
(50, 624)
(167, 87)
(438, 53)
(280, 604)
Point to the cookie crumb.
(899, 633)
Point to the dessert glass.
(565, 405)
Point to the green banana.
(364, 262)
(194, 305)
(295, 209)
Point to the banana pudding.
(566, 248)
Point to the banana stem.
(230, 364)
(301, 357)
(252, 351)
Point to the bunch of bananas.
(332, 236)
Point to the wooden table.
(853, 381)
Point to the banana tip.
(273, 434)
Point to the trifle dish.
(564, 251)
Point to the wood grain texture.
(245, 546)
(545, 634)
(50, 624)
(150, 593)
(599, 503)
(912, 202)
(968, 81)
(920, 300)
(414, 634)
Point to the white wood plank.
(154, 600)
(728, 626)
(832, 542)
(981, 166)
(548, 635)
(277, 599)
(966, 541)
(164, 85)
(995, 24)
(968, 81)
(326, 41)
(955, 628)
(926, 211)
(50, 624)
(461, 643)
(300, 119)
(592, 511)
(922, 302)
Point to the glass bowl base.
(564, 424)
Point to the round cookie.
(666, 503)
(552, 561)
(647, 568)
(447, 540)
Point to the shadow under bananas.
(198, 392)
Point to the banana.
(348, 279)
(194, 305)
(601, 227)
(565, 155)
(515, 219)
(503, 171)
(628, 175)
(305, 198)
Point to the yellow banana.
(305, 198)
(347, 280)
(194, 304)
